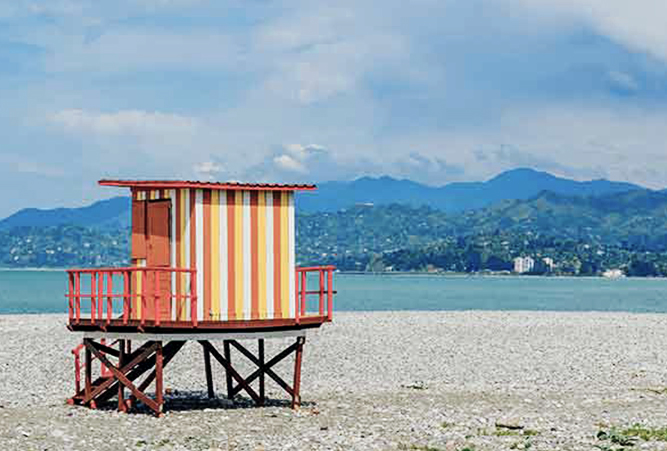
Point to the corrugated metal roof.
(175, 184)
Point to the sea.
(44, 292)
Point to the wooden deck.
(203, 327)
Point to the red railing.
(324, 291)
(101, 295)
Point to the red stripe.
(207, 254)
(177, 207)
(193, 238)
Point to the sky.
(292, 91)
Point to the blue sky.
(435, 91)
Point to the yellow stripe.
(215, 254)
(284, 255)
(238, 253)
(139, 290)
(261, 252)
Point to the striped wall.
(241, 243)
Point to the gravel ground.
(379, 380)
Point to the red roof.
(176, 184)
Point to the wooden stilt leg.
(89, 370)
(158, 377)
(260, 351)
(209, 374)
(296, 395)
(228, 357)
(121, 388)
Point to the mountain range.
(516, 184)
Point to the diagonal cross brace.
(122, 378)
(265, 368)
(139, 356)
(230, 370)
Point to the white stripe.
(290, 246)
(199, 240)
(186, 240)
(247, 258)
(172, 242)
(269, 255)
(224, 289)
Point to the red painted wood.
(180, 184)
(138, 249)
(159, 255)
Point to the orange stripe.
(231, 277)
(208, 282)
(277, 292)
(178, 237)
(254, 256)
(193, 240)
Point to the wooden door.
(158, 254)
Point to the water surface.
(44, 292)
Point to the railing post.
(297, 298)
(109, 296)
(156, 297)
(329, 294)
(77, 295)
(321, 274)
(126, 296)
(193, 297)
(93, 295)
(100, 297)
(304, 288)
(144, 290)
(70, 278)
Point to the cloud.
(208, 170)
(623, 82)
(430, 90)
(123, 122)
(638, 24)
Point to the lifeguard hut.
(209, 261)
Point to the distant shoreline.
(413, 273)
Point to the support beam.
(121, 361)
(296, 396)
(260, 352)
(228, 376)
(209, 373)
(159, 388)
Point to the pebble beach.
(373, 381)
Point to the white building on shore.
(523, 265)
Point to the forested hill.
(584, 235)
